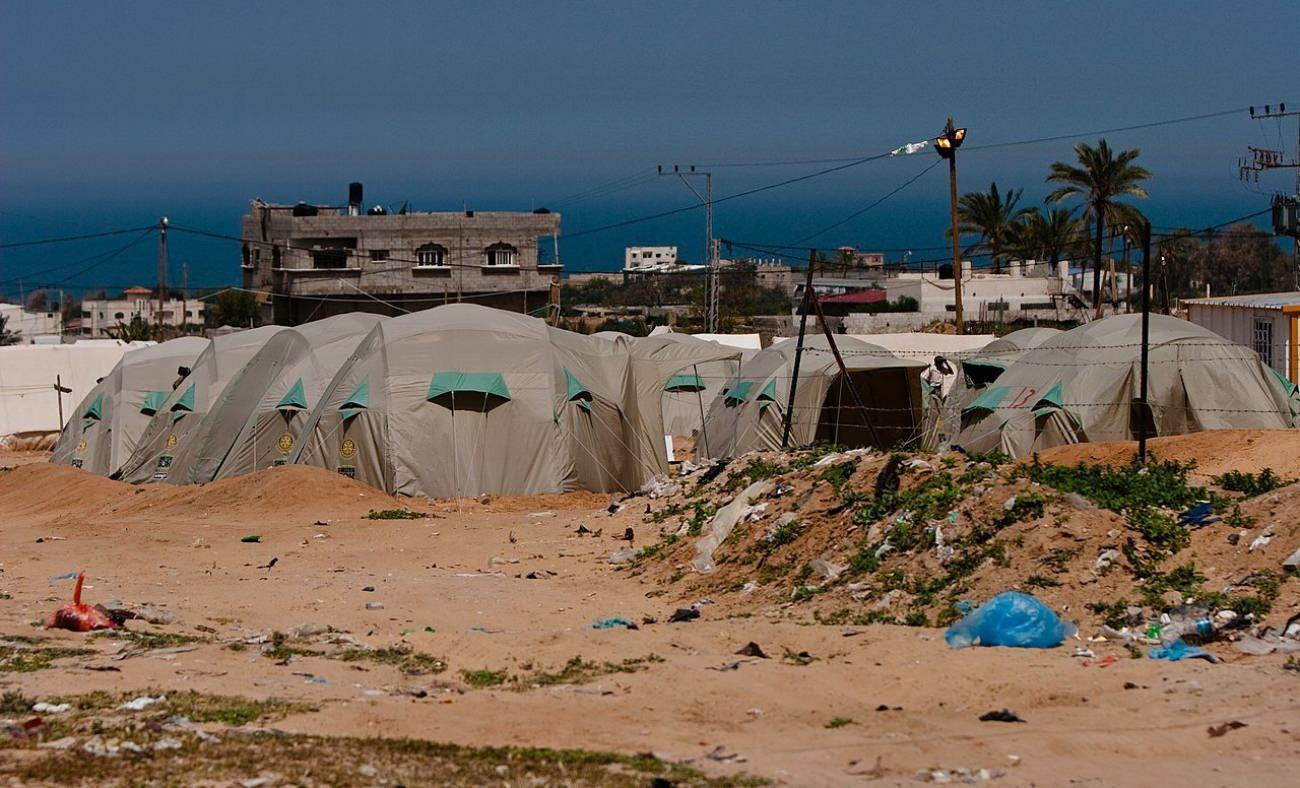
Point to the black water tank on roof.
(354, 194)
(303, 209)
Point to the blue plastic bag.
(1178, 650)
(1010, 619)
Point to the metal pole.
(1146, 336)
(798, 348)
(58, 393)
(162, 270)
(956, 243)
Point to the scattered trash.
(622, 556)
(368, 588)
(141, 703)
(752, 649)
(312, 678)
(252, 538)
(614, 507)
(1003, 715)
(661, 487)
(628, 535)
(722, 523)
(78, 617)
(721, 755)
(60, 578)
(1198, 516)
(828, 571)
(1010, 619)
(374, 606)
(683, 614)
(1261, 541)
(1084, 652)
(1106, 559)
(270, 563)
(612, 623)
(154, 615)
(51, 708)
(1292, 562)
(547, 513)
(1178, 650)
(582, 529)
(1267, 643)
(1216, 731)
(308, 630)
(539, 574)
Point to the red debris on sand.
(78, 617)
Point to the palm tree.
(993, 216)
(1046, 235)
(1101, 177)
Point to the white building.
(34, 328)
(647, 258)
(1268, 323)
(99, 318)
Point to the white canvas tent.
(261, 413)
(1083, 385)
(181, 413)
(103, 430)
(750, 411)
(461, 400)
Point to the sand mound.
(1215, 451)
(63, 492)
(960, 530)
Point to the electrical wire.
(69, 238)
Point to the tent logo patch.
(348, 449)
(285, 444)
(171, 441)
(81, 446)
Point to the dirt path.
(893, 695)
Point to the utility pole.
(710, 247)
(555, 300)
(804, 309)
(162, 271)
(947, 144)
(1146, 338)
(1263, 159)
(185, 287)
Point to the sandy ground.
(913, 703)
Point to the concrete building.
(1268, 323)
(639, 258)
(309, 261)
(33, 328)
(100, 317)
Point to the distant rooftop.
(1253, 301)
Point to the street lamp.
(947, 144)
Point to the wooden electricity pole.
(947, 145)
(162, 271)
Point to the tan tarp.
(261, 413)
(103, 430)
(1083, 385)
(182, 412)
(461, 400)
(750, 414)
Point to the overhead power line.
(68, 238)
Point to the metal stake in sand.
(1146, 337)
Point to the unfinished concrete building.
(312, 261)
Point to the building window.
(431, 255)
(501, 254)
(248, 257)
(378, 255)
(118, 316)
(329, 258)
(1263, 337)
(189, 313)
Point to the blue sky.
(113, 114)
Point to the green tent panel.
(86, 424)
(295, 399)
(186, 402)
(584, 404)
(1054, 396)
(575, 389)
(684, 381)
(490, 383)
(96, 409)
(153, 401)
(740, 392)
(1287, 386)
(359, 398)
(990, 399)
(348, 413)
(769, 391)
